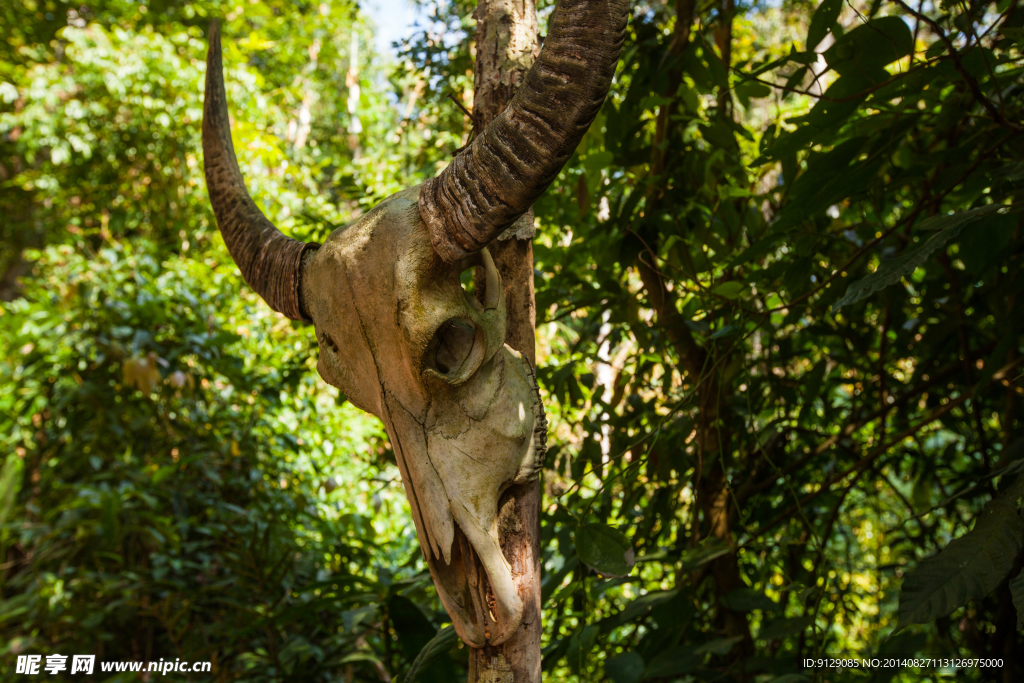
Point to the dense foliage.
(786, 360)
(779, 323)
(176, 480)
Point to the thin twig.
(862, 464)
(460, 106)
(954, 54)
(858, 468)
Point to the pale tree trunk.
(506, 45)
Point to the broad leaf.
(605, 550)
(969, 568)
(776, 629)
(867, 49)
(823, 21)
(644, 603)
(1017, 591)
(718, 646)
(673, 661)
(625, 668)
(438, 645)
(729, 290)
(747, 600)
(891, 272)
(10, 484)
(580, 645)
(706, 552)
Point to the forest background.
(779, 341)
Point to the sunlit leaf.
(822, 21)
(729, 290)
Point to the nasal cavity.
(474, 283)
(450, 347)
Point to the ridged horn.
(494, 182)
(271, 263)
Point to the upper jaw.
(456, 465)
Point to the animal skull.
(402, 339)
(398, 334)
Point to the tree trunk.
(506, 45)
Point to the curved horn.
(270, 262)
(486, 188)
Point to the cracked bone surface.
(403, 340)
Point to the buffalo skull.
(398, 334)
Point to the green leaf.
(1017, 591)
(10, 484)
(673, 661)
(841, 100)
(643, 603)
(592, 165)
(361, 656)
(625, 668)
(718, 646)
(757, 250)
(827, 180)
(1015, 454)
(580, 645)
(163, 473)
(988, 245)
(746, 90)
(437, 646)
(970, 567)
(790, 678)
(1011, 173)
(726, 331)
(921, 493)
(605, 550)
(822, 22)
(747, 600)
(867, 49)
(706, 552)
(753, 88)
(777, 629)
(13, 607)
(110, 520)
(891, 272)
(730, 290)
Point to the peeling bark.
(506, 45)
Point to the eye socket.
(450, 352)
